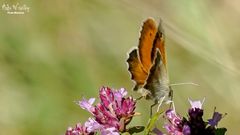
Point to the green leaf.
(152, 122)
(135, 129)
(125, 133)
(220, 131)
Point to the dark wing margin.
(138, 74)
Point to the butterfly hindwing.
(159, 43)
(136, 69)
(157, 82)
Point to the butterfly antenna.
(171, 97)
(151, 108)
(160, 27)
(188, 83)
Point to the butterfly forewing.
(146, 41)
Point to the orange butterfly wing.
(146, 42)
(147, 64)
(138, 73)
(140, 60)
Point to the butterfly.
(147, 64)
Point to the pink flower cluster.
(194, 125)
(111, 115)
(175, 125)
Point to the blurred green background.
(62, 51)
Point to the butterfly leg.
(160, 103)
(151, 107)
(139, 98)
(171, 105)
(171, 97)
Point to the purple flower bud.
(195, 120)
(186, 130)
(215, 118)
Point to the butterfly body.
(147, 64)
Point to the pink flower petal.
(109, 131)
(196, 103)
(87, 104)
(92, 125)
